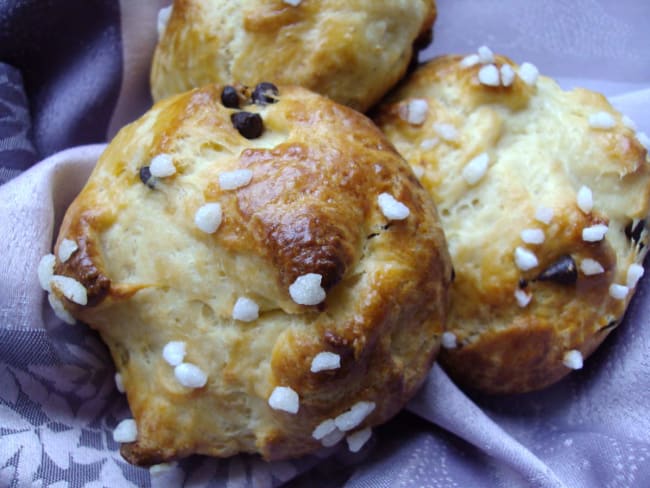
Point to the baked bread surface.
(351, 51)
(153, 276)
(542, 149)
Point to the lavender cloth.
(16, 148)
(58, 402)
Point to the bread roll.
(543, 196)
(352, 51)
(257, 272)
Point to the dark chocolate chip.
(633, 232)
(230, 97)
(523, 283)
(147, 178)
(248, 124)
(453, 274)
(563, 271)
(264, 93)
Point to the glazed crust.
(153, 277)
(541, 151)
(351, 51)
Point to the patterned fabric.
(58, 400)
(16, 149)
(70, 56)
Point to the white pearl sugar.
(416, 111)
(573, 359)
(489, 75)
(45, 271)
(174, 352)
(161, 166)
(525, 259)
(485, 55)
(323, 429)
(245, 310)
(284, 398)
(469, 61)
(325, 361)
(532, 236)
(66, 249)
(208, 217)
(159, 469)
(163, 19)
(59, 309)
(585, 199)
(523, 298)
(507, 75)
(358, 439)
(618, 292)
(448, 340)
(231, 180)
(353, 417)
(474, 171)
(594, 233)
(126, 431)
(332, 438)
(293, 3)
(306, 290)
(71, 289)
(119, 382)
(601, 120)
(529, 73)
(634, 274)
(418, 171)
(391, 208)
(591, 267)
(428, 144)
(544, 215)
(190, 375)
(447, 132)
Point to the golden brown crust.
(541, 151)
(311, 207)
(350, 51)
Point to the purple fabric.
(58, 401)
(70, 55)
(16, 149)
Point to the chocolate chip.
(264, 93)
(633, 232)
(248, 124)
(147, 178)
(523, 283)
(230, 97)
(453, 275)
(562, 271)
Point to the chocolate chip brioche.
(351, 51)
(266, 270)
(543, 195)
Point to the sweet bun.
(352, 51)
(527, 178)
(256, 272)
